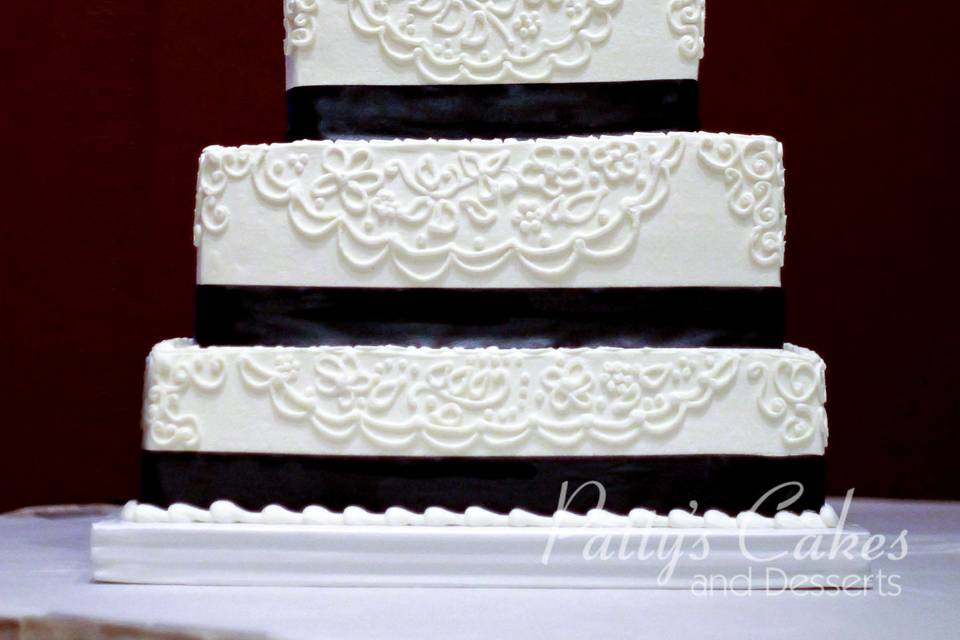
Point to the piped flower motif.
(347, 174)
(617, 160)
(552, 169)
(287, 366)
(574, 8)
(532, 219)
(683, 372)
(569, 385)
(341, 378)
(527, 25)
(626, 383)
(298, 162)
(384, 205)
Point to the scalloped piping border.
(226, 512)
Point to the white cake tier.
(405, 401)
(644, 210)
(392, 42)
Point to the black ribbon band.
(491, 111)
(508, 318)
(729, 483)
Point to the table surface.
(44, 569)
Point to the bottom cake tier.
(397, 435)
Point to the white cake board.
(347, 556)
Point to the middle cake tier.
(671, 239)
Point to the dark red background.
(109, 102)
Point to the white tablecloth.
(44, 569)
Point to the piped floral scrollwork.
(754, 176)
(167, 425)
(792, 395)
(216, 172)
(426, 213)
(300, 23)
(478, 41)
(491, 399)
(687, 19)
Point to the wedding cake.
(495, 278)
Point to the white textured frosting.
(466, 402)
(649, 209)
(225, 512)
(397, 42)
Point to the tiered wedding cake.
(480, 289)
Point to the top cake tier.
(393, 68)
(404, 42)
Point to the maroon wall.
(108, 103)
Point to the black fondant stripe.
(669, 317)
(728, 483)
(491, 111)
